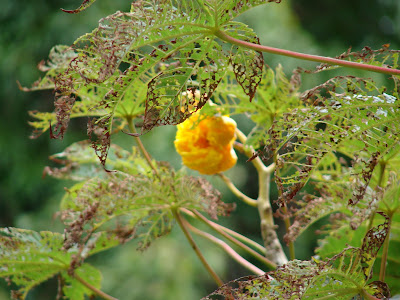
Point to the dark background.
(28, 30)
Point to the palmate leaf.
(168, 47)
(136, 206)
(352, 113)
(131, 201)
(332, 180)
(29, 258)
(343, 276)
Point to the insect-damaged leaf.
(29, 258)
(185, 85)
(340, 277)
(229, 10)
(345, 111)
(79, 162)
(137, 206)
(247, 64)
(372, 242)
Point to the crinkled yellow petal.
(208, 146)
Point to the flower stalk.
(236, 191)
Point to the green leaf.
(29, 258)
(228, 10)
(247, 64)
(275, 95)
(295, 280)
(79, 162)
(73, 289)
(372, 242)
(339, 238)
(200, 66)
(136, 206)
(168, 47)
(340, 277)
(353, 114)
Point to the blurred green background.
(169, 269)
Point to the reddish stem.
(322, 59)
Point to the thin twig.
(226, 248)
(94, 289)
(195, 248)
(233, 233)
(142, 149)
(257, 255)
(322, 59)
(236, 191)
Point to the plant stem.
(236, 191)
(142, 149)
(94, 289)
(385, 249)
(322, 59)
(226, 248)
(195, 248)
(268, 229)
(240, 237)
(257, 255)
(292, 253)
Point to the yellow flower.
(208, 146)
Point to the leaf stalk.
(94, 289)
(261, 258)
(316, 58)
(232, 253)
(142, 149)
(195, 247)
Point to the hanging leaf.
(247, 64)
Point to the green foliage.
(343, 276)
(168, 47)
(29, 258)
(337, 142)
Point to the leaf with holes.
(354, 113)
(136, 206)
(29, 258)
